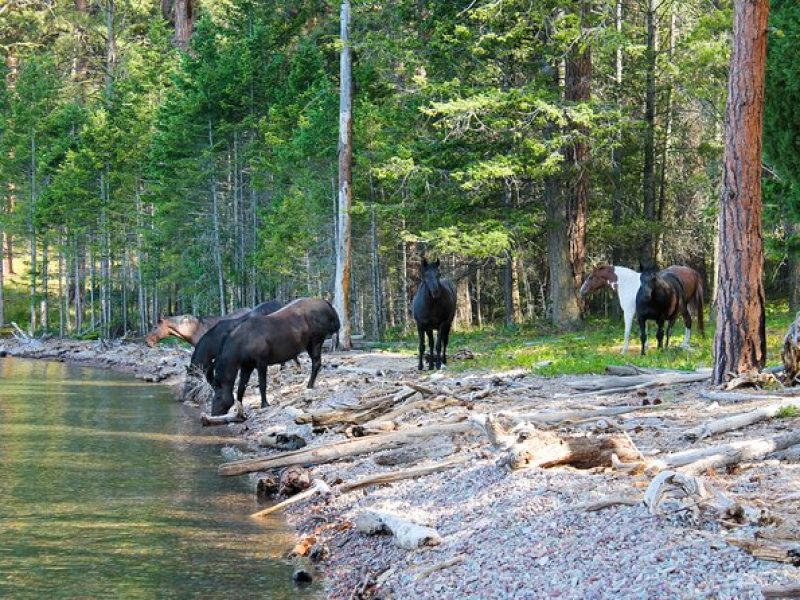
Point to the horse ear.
(424, 262)
(438, 263)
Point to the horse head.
(430, 277)
(649, 282)
(159, 331)
(599, 277)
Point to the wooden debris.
(774, 551)
(700, 460)
(318, 487)
(613, 384)
(740, 420)
(754, 378)
(445, 564)
(604, 503)
(360, 413)
(790, 354)
(718, 396)
(428, 406)
(303, 546)
(552, 417)
(781, 591)
(372, 428)
(401, 474)
(675, 485)
(344, 449)
(531, 447)
(407, 534)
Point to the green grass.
(788, 412)
(591, 349)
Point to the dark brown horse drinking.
(186, 327)
(260, 341)
(661, 299)
(207, 349)
(434, 307)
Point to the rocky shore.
(468, 507)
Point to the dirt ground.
(528, 533)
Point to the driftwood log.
(317, 487)
(740, 420)
(615, 384)
(410, 473)
(344, 449)
(698, 461)
(407, 535)
(531, 447)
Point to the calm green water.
(108, 489)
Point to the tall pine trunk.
(649, 208)
(740, 343)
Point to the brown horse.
(186, 327)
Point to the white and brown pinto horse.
(626, 282)
(186, 327)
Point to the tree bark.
(184, 23)
(740, 343)
(215, 219)
(342, 280)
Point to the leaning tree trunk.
(740, 342)
(341, 300)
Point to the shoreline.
(503, 533)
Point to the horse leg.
(209, 371)
(421, 333)
(660, 333)
(244, 378)
(444, 332)
(439, 348)
(687, 323)
(643, 334)
(670, 324)
(429, 333)
(315, 352)
(628, 324)
(262, 384)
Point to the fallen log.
(356, 415)
(699, 461)
(407, 534)
(401, 474)
(604, 384)
(740, 420)
(424, 573)
(431, 405)
(318, 487)
(532, 447)
(604, 503)
(773, 551)
(781, 591)
(343, 449)
(718, 396)
(548, 417)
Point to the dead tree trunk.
(740, 343)
(341, 300)
(649, 170)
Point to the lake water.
(108, 489)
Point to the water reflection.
(108, 489)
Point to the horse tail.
(698, 303)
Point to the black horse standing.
(434, 307)
(660, 298)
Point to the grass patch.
(788, 412)
(590, 350)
